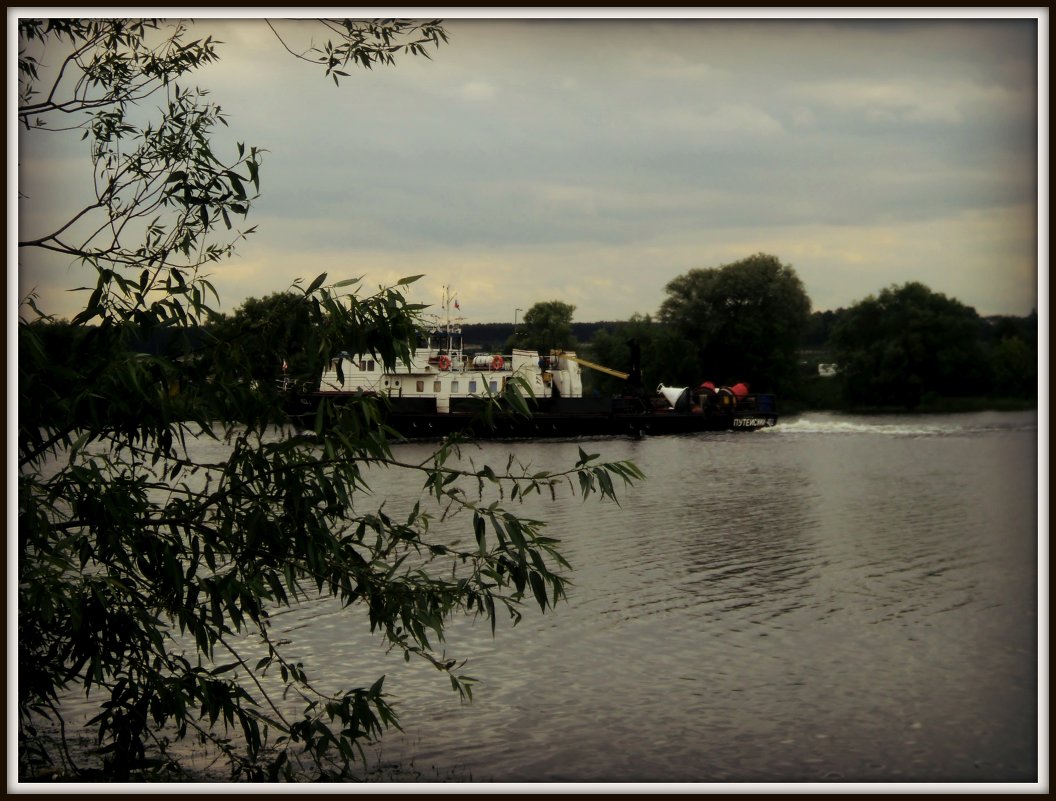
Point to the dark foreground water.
(838, 599)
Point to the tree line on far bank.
(751, 321)
(904, 347)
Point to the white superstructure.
(439, 369)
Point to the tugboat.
(442, 391)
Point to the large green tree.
(906, 341)
(149, 566)
(265, 338)
(1014, 367)
(546, 326)
(1012, 346)
(745, 319)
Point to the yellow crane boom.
(593, 366)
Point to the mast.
(449, 328)
(447, 316)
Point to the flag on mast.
(456, 305)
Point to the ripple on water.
(834, 598)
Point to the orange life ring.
(445, 362)
(497, 362)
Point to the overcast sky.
(592, 161)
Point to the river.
(836, 599)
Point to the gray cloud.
(864, 152)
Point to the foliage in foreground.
(147, 573)
(165, 511)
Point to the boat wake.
(912, 426)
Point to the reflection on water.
(836, 599)
(833, 599)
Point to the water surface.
(836, 599)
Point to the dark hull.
(559, 418)
(551, 426)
